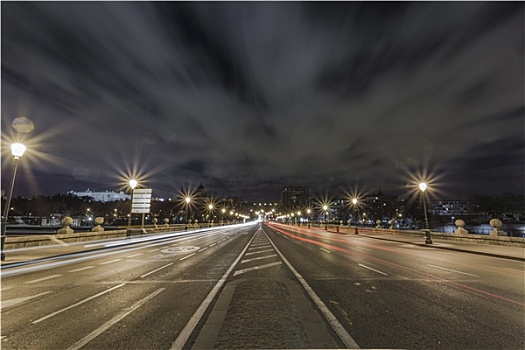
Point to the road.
(264, 286)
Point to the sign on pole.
(141, 202)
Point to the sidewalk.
(499, 251)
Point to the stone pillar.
(167, 223)
(460, 231)
(66, 223)
(154, 220)
(391, 222)
(378, 224)
(496, 224)
(98, 221)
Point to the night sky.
(248, 97)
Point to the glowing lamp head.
(133, 184)
(210, 206)
(17, 150)
(325, 207)
(354, 200)
(423, 186)
(188, 200)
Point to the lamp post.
(354, 202)
(187, 200)
(298, 218)
(325, 209)
(210, 207)
(308, 211)
(222, 217)
(423, 186)
(132, 183)
(17, 150)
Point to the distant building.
(295, 197)
(106, 196)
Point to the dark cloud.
(248, 97)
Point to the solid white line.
(110, 262)
(371, 269)
(134, 255)
(444, 268)
(194, 320)
(260, 267)
(160, 268)
(77, 304)
(259, 252)
(42, 279)
(187, 256)
(329, 316)
(82, 269)
(111, 322)
(258, 258)
(325, 250)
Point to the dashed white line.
(187, 256)
(203, 249)
(371, 269)
(211, 245)
(114, 320)
(82, 269)
(258, 258)
(260, 251)
(134, 255)
(42, 279)
(110, 262)
(160, 268)
(325, 250)
(153, 250)
(444, 268)
(77, 304)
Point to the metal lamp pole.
(428, 240)
(17, 149)
(132, 184)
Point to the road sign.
(141, 202)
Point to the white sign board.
(141, 200)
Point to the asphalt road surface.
(264, 286)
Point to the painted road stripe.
(82, 342)
(82, 269)
(110, 262)
(203, 249)
(42, 279)
(260, 267)
(371, 269)
(11, 302)
(153, 250)
(444, 268)
(259, 252)
(160, 268)
(211, 245)
(258, 258)
(77, 304)
(187, 256)
(328, 315)
(194, 320)
(325, 250)
(134, 255)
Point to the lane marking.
(153, 250)
(110, 262)
(325, 250)
(444, 268)
(259, 252)
(187, 256)
(82, 269)
(258, 258)
(371, 269)
(328, 315)
(77, 304)
(211, 245)
(79, 344)
(261, 246)
(194, 320)
(11, 302)
(203, 249)
(134, 255)
(260, 267)
(160, 268)
(42, 279)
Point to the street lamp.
(298, 218)
(132, 183)
(222, 217)
(325, 209)
(354, 201)
(423, 186)
(188, 200)
(308, 211)
(17, 150)
(210, 207)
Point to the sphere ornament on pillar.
(391, 224)
(99, 220)
(166, 222)
(154, 221)
(66, 223)
(460, 228)
(378, 223)
(496, 224)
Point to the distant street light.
(132, 183)
(423, 186)
(356, 210)
(210, 207)
(308, 211)
(17, 150)
(325, 209)
(187, 200)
